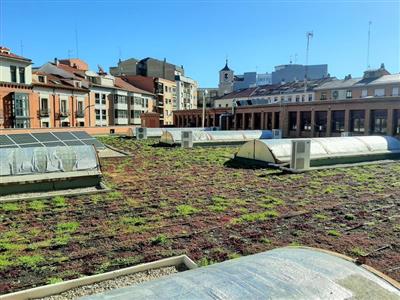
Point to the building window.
(21, 106)
(320, 121)
(80, 108)
(379, 92)
(323, 96)
(395, 91)
(120, 99)
(97, 111)
(364, 93)
(45, 124)
(338, 121)
(292, 120)
(310, 98)
(297, 98)
(103, 114)
(21, 74)
(357, 121)
(379, 121)
(118, 113)
(348, 94)
(63, 106)
(41, 78)
(103, 98)
(44, 104)
(305, 121)
(396, 122)
(335, 95)
(289, 98)
(97, 98)
(13, 70)
(302, 98)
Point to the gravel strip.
(119, 282)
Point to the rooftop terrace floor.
(171, 201)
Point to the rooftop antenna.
(69, 53)
(22, 48)
(309, 35)
(76, 43)
(295, 58)
(290, 59)
(369, 40)
(119, 53)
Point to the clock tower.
(226, 79)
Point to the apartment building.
(65, 93)
(58, 102)
(186, 93)
(291, 92)
(165, 101)
(148, 67)
(15, 91)
(361, 106)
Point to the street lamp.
(205, 92)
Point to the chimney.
(56, 62)
(347, 77)
(382, 66)
(283, 81)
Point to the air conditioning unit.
(141, 133)
(344, 134)
(276, 133)
(300, 156)
(187, 139)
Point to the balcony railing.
(80, 114)
(64, 113)
(44, 112)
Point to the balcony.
(44, 112)
(63, 114)
(80, 114)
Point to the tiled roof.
(360, 82)
(12, 55)
(121, 83)
(277, 89)
(142, 82)
(55, 81)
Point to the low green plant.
(334, 232)
(53, 280)
(5, 261)
(30, 261)
(233, 255)
(252, 217)
(10, 207)
(204, 261)
(61, 240)
(270, 201)
(349, 217)
(186, 210)
(160, 239)
(357, 251)
(114, 195)
(37, 205)
(59, 201)
(68, 227)
(320, 217)
(265, 240)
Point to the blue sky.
(200, 34)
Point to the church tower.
(226, 79)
